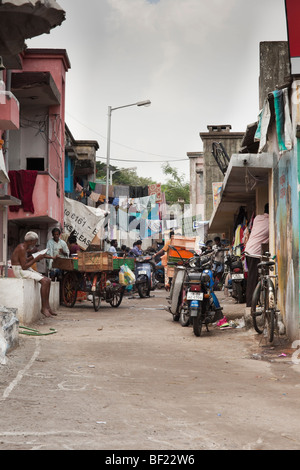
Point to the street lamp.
(110, 110)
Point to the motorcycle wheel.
(197, 322)
(184, 317)
(176, 292)
(143, 289)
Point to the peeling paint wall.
(286, 207)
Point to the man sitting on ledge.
(21, 266)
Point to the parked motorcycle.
(236, 281)
(145, 280)
(200, 305)
(192, 300)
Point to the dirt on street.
(131, 378)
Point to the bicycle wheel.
(117, 297)
(220, 156)
(271, 312)
(258, 309)
(96, 301)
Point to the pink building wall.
(48, 195)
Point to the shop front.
(246, 189)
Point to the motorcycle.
(200, 305)
(145, 280)
(192, 300)
(236, 281)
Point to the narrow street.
(132, 379)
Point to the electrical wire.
(126, 146)
(144, 161)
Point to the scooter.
(236, 281)
(145, 275)
(200, 305)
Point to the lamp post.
(110, 110)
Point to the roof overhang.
(244, 174)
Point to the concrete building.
(271, 174)
(205, 174)
(35, 159)
(36, 152)
(231, 141)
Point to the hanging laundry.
(78, 188)
(123, 202)
(154, 226)
(94, 196)
(22, 183)
(121, 190)
(155, 189)
(279, 117)
(261, 134)
(101, 199)
(138, 191)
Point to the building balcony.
(47, 205)
(9, 111)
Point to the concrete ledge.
(9, 331)
(24, 295)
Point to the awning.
(25, 19)
(245, 172)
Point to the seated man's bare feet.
(46, 312)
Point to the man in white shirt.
(259, 235)
(56, 247)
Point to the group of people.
(23, 259)
(125, 251)
(58, 247)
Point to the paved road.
(132, 379)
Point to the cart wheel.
(69, 289)
(117, 297)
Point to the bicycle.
(264, 310)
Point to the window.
(35, 164)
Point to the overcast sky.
(196, 60)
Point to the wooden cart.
(93, 273)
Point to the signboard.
(292, 17)
(86, 221)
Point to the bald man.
(21, 265)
